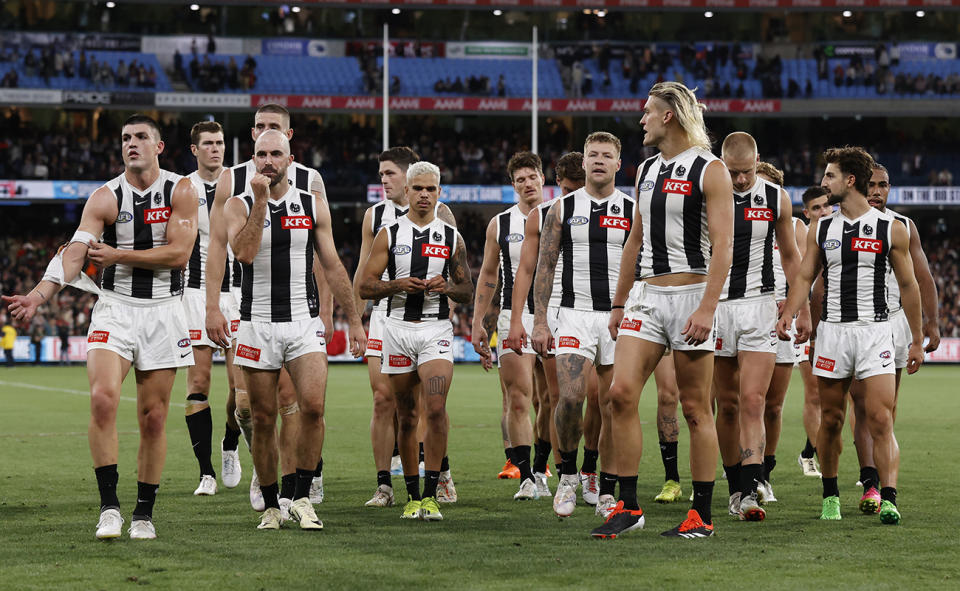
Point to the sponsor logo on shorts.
(630, 324)
(758, 214)
(320, 334)
(646, 185)
(825, 364)
(515, 237)
(552, 344)
(400, 249)
(439, 251)
(866, 245)
(184, 342)
(124, 217)
(718, 345)
(98, 336)
(296, 222)
(569, 342)
(443, 343)
(830, 244)
(156, 216)
(677, 187)
(773, 334)
(375, 344)
(577, 220)
(247, 352)
(806, 349)
(400, 361)
(885, 355)
(196, 335)
(234, 325)
(617, 223)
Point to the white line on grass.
(69, 391)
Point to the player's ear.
(160, 146)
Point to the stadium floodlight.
(194, 7)
(295, 9)
(395, 11)
(921, 14)
(847, 14)
(497, 12)
(601, 13)
(111, 4)
(708, 14)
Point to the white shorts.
(553, 314)
(152, 336)
(268, 345)
(408, 345)
(746, 324)
(858, 350)
(585, 333)
(375, 334)
(503, 333)
(901, 338)
(658, 314)
(195, 306)
(789, 351)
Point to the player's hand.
(358, 339)
(481, 344)
(517, 339)
(804, 326)
(328, 330)
(783, 328)
(102, 255)
(541, 338)
(698, 327)
(260, 185)
(914, 358)
(436, 284)
(780, 304)
(411, 284)
(616, 317)
(23, 307)
(218, 327)
(932, 332)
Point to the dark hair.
(813, 193)
(570, 166)
(140, 119)
(878, 166)
(524, 160)
(852, 160)
(203, 127)
(402, 156)
(275, 108)
(775, 174)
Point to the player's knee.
(103, 406)
(263, 418)
(728, 411)
(312, 409)
(152, 421)
(752, 404)
(384, 404)
(879, 422)
(696, 416)
(667, 395)
(773, 412)
(831, 420)
(407, 419)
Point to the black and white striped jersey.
(779, 277)
(141, 225)
(673, 210)
(279, 285)
(424, 253)
(509, 227)
(754, 226)
(893, 288)
(542, 210)
(855, 259)
(592, 234)
(382, 215)
(196, 268)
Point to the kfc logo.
(439, 251)
(825, 364)
(251, 353)
(758, 214)
(616, 223)
(569, 342)
(296, 222)
(629, 324)
(98, 336)
(677, 187)
(156, 216)
(866, 245)
(400, 361)
(375, 344)
(196, 335)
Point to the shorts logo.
(515, 237)
(443, 343)
(577, 220)
(400, 249)
(196, 335)
(773, 334)
(677, 187)
(439, 251)
(569, 342)
(806, 350)
(183, 343)
(830, 244)
(247, 352)
(156, 216)
(617, 223)
(825, 364)
(375, 344)
(758, 214)
(296, 222)
(885, 355)
(630, 324)
(718, 344)
(98, 336)
(866, 245)
(646, 185)
(124, 217)
(320, 334)
(400, 361)
(234, 325)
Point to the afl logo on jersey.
(400, 249)
(124, 217)
(515, 237)
(831, 244)
(646, 186)
(202, 201)
(266, 222)
(577, 220)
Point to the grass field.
(48, 508)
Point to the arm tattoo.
(374, 288)
(546, 264)
(460, 287)
(490, 285)
(437, 386)
(573, 390)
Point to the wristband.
(616, 307)
(84, 237)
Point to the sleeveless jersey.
(279, 285)
(542, 210)
(592, 234)
(509, 227)
(674, 213)
(419, 252)
(196, 268)
(383, 214)
(141, 225)
(779, 277)
(754, 226)
(893, 288)
(855, 259)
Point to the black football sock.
(396, 449)
(270, 493)
(589, 465)
(628, 492)
(830, 487)
(541, 456)
(769, 463)
(200, 427)
(231, 439)
(288, 484)
(107, 477)
(383, 478)
(750, 475)
(445, 464)
(733, 478)
(668, 453)
(319, 471)
(808, 450)
(889, 493)
(146, 497)
(413, 486)
(430, 480)
(521, 456)
(869, 477)
(608, 484)
(304, 480)
(702, 497)
(569, 462)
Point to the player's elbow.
(366, 292)
(245, 256)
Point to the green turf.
(48, 508)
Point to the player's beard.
(834, 199)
